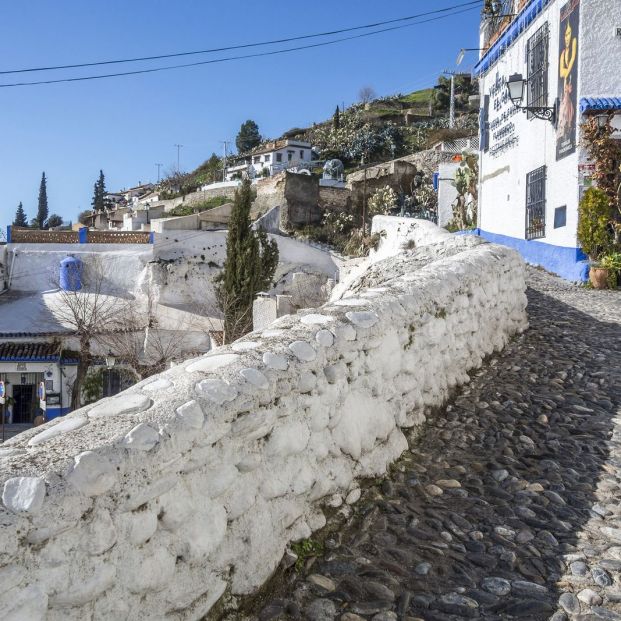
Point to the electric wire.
(243, 45)
(233, 58)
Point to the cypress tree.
(42, 210)
(251, 260)
(99, 192)
(336, 119)
(248, 137)
(20, 217)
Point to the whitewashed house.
(271, 158)
(533, 168)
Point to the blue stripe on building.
(569, 263)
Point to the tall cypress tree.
(251, 260)
(336, 119)
(99, 193)
(42, 210)
(20, 216)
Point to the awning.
(592, 104)
(515, 29)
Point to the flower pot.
(598, 277)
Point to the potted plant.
(594, 233)
(611, 263)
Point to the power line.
(232, 58)
(241, 46)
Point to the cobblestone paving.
(508, 505)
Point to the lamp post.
(516, 86)
(110, 362)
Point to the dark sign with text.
(568, 79)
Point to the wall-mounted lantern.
(516, 85)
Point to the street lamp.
(516, 86)
(602, 121)
(110, 362)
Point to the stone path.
(508, 505)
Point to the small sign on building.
(42, 393)
(2, 393)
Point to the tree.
(99, 202)
(84, 216)
(210, 171)
(367, 94)
(248, 137)
(336, 119)
(42, 210)
(53, 221)
(251, 260)
(20, 217)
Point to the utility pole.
(158, 171)
(225, 143)
(178, 149)
(452, 104)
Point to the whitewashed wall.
(153, 503)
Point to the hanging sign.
(568, 79)
(2, 393)
(41, 391)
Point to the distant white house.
(271, 158)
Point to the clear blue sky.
(125, 125)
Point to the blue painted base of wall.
(51, 413)
(568, 263)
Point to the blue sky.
(125, 125)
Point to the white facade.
(514, 145)
(279, 156)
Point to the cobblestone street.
(508, 505)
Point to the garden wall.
(157, 502)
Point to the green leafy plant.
(594, 216)
(612, 262)
(304, 550)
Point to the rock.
(274, 361)
(125, 403)
(191, 414)
(578, 568)
(523, 588)
(353, 496)
(454, 603)
(158, 385)
(28, 604)
(303, 351)
(212, 362)
(569, 603)
(601, 577)
(497, 586)
(589, 597)
(500, 475)
(217, 390)
(23, 494)
(362, 319)
(605, 614)
(255, 377)
(142, 438)
(448, 483)
(322, 581)
(433, 490)
(325, 338)
(64, 426)
(92, 474)
(313, 319)
(422, 569)
(321, 610)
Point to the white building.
(533, 171)
(271, 158)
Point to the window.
(268, 157)
(560, 217)
(537, 64)
(279, 157)
(290, 155)
(256, 159)
(536, 203)
(301, 154)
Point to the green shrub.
(594, 216)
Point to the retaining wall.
(157, 502)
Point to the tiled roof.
(33, 352)
(600, 103)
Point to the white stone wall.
(153, 503)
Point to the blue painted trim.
(152, 237)
(524, 19)
(83, 235)
(9, 229)
(52, 413)
(568, 263)
(587, 104)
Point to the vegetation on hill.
(188, 210)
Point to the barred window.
(536, 203)
(537, 64)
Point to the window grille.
(536, 204)
(537, 64)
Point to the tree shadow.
(483, 517)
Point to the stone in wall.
(193, 482)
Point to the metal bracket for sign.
(545, 114)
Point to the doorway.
(24, 403)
